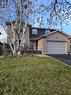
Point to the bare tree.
(22, 9)
(55, 10)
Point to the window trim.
(34, 31)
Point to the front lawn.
(34, 76)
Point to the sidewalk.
(40, 55)
(1, 56)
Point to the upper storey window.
(47, 31)
(34, 31)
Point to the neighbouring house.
(70, 43)
(49, 41)
(1, 48)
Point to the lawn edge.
(63, 63)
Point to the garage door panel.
(55, 47)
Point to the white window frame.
(47, 31)
(34, 31)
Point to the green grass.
(34, 76)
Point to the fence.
(8, 52)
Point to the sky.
(65, 28)
(3, 36)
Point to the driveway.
(64, 58)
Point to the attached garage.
(54, 43)
(56, 48)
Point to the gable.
(57, 36)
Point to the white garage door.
(56, 47)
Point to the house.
(36, 33)
(49, 41)
(18, 38)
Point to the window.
(34, 31)
(47, 31)
(33, 45)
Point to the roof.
(50, 33)
(52, 29)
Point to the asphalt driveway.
(64, 58)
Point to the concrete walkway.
(1, 56)
(40, 55)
